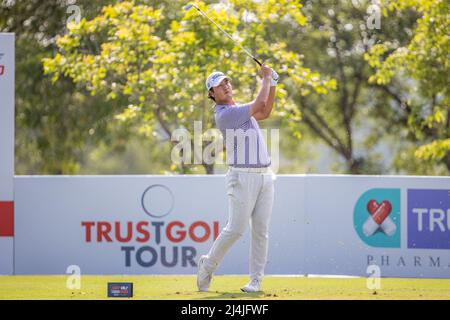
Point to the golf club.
(190, 5)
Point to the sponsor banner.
(6, 218)
(6, 116)
(139, 225)
(365, 220)
(429, 219)
(7, 254)
(161, 225)
(6, 152)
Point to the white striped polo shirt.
(243, 138)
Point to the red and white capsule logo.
(379, 218)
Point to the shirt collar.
(222, 106)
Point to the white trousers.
(250, 199)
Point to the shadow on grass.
(231, 295)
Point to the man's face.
(223, 91)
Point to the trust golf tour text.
(161, 242)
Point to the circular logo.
(157, 201)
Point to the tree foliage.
(54, 122)
(139, 66)
(158, 58)
(424, 64)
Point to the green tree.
(53, 129)
(345, 120)
(365, 124)
(157, 57)
(424, 64)
(333, 44)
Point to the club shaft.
(231, 38)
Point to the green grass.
(224, 287)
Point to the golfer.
(250, 181)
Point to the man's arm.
(260, 103)
(265, 112)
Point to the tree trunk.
(446, 160)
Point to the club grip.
(257, 61)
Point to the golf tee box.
(120, 289)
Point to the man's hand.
(274, 79)
(266, 72)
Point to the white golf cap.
(215, 79)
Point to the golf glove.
(274, 79)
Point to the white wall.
(6, 147)
(334, 246)
(312, 231)
(50, 211)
